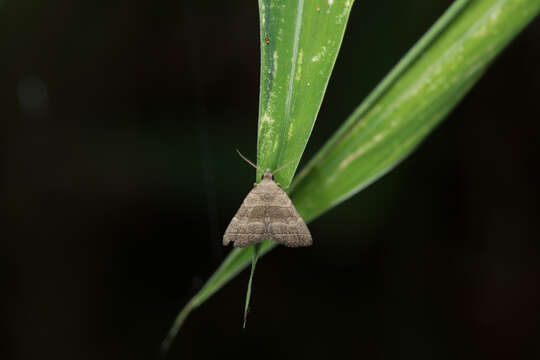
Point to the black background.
(119, 121)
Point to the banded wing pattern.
(267, 213)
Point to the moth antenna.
(248, 161)
(283, 167)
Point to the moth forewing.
(267, 213)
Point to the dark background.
(119, 121)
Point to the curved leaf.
(409, 103)
(417, 94)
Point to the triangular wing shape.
(246, 227)
(286, 227)
(267, 213)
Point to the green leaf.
(417, 94)
(256, 250)
(300, 41)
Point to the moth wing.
(246, 227)
(286, 226)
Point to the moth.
(267, 213)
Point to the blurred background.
(119, 121)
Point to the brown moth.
(267, 213)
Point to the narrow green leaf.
(420, 91)
(389, 126)
(300, 41)
(256, 250)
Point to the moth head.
(268, 175)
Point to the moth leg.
(278, 184)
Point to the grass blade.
(300, 41)
(256, 250)
(416, 96)
(388, 127)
